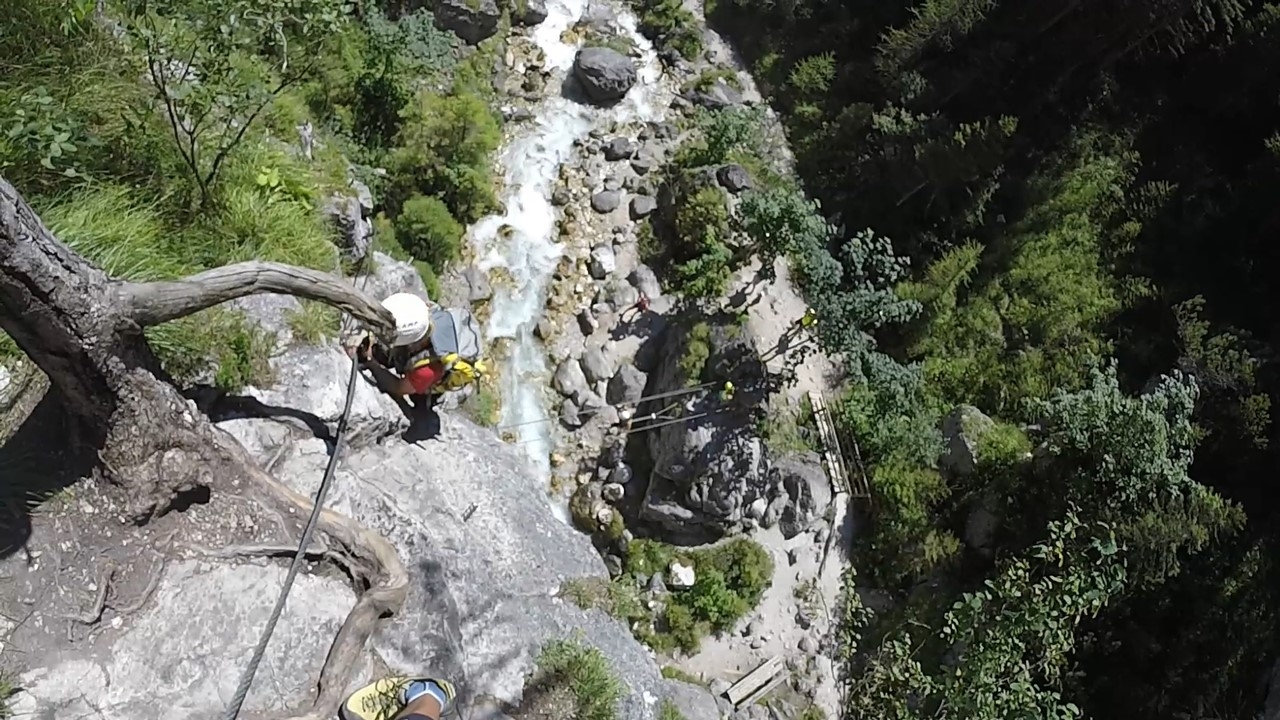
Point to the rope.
(246, 680)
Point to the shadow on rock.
(40, 460)
(220, 407)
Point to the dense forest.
(1057, 213)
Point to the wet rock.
(471, 20)
(569, 380)
(734, 178)
(606, 201)
(718, 95)
(603, 262)
(605, 75)
(561, 197)
(620, 475)
(595, 366)
(479, 288)
(569, 415)
(516, 114)
(642, 206)
(627, 386)
(619, 148)
(545, 329)
(612, 492)
(529, 12)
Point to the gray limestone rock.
(642, 206)
(605, 75)
(606, 201)
(471, 20)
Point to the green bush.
(905, 542)
(428, 231)
(669, 24)
(696, 351)
(703, 259)
(585, 671)
(729, 580)
(385, 241)
(444, 148)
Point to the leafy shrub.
(426, 229)
(812, 76)
(729, 580)
(718, 134)
(905, 543)
(444, 148)
(703, 259)
(669, 24)
(696, 351)
(385, 240)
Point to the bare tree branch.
(153, 303)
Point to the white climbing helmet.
(412, 315)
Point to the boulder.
(595, 366)
(627, 386)
(619, 148)
(807, 488)
(713, 464)
(982, 523)
(644, 280)
(569, 416)
(718, 95)
(734, 178)
(603, 262)
(529, 12)
(605, 75)
(479, 288)
(568, 379)
(471, 20)
(620, 475)
(642, 206)
(962, 430)
(606, 201)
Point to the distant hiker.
(399, 698)
(435, 350)
(809, 319)
(726, 393)
(640, 307)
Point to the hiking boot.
(382, 699)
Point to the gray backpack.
(455, 341)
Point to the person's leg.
(425, 700)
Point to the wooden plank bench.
(755, 684)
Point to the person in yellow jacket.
(417, 371)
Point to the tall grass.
(586, 672)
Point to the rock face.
(471, 20)
(168, 666)
(606, 75)
(355, 233)
(808, 492)
(484, 553)
(707, 470)
(718, 95)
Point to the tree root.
(372, 562)
(152, 584)
(94, 615)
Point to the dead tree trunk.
(84, 330)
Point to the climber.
(726, 393)
(399, 698)
(411, 354)
(809, 319)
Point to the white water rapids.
(524, 239)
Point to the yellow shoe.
(379, 700)
(383, 699)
